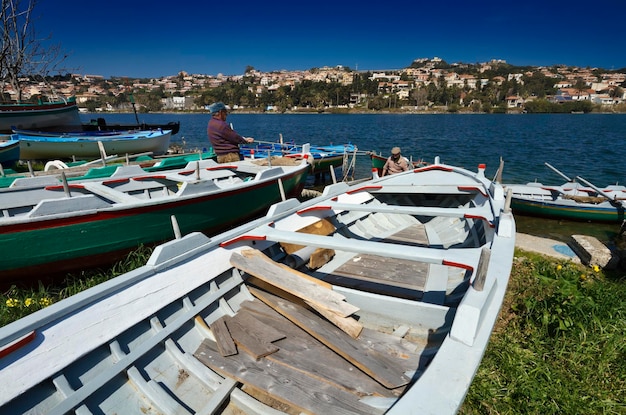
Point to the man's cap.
(395, 150)
(217, 107)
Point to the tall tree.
(23, 54)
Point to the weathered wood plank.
(248, 340)
(383, 369)
(294, 282)
(396, 272)
(261, 330)
(302, 352)
(321, 227)
(307, 394)
(414, 234)
(320, 257)
(225, 343)
(349, 325)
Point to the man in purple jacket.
(225, 140)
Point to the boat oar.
(601, 192)
(554, 169)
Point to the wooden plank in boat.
(248, 338)
(395, 272)
(321, 227)
(347, 324)
(225, 343)
(294, 282)
(414, 234)
(300, 351)
(289, 386)
(389, 372)
(261, 330)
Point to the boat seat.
(25, 182)
(68, 204)
(108, 192)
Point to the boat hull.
(605, 212)
(86, 147)
(33, 116)
(157, 339)
(9, 152)
(570, 201)
(51, 247)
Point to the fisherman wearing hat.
(395, 163)
(223, 138)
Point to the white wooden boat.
(60, 146)
(577, 200)
(408, 271)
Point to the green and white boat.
(54, 227)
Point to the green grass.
(559, 346)
(16, 302)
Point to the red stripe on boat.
(16, 344)
(433, 167)
(468, 216)
(457, 265)
(243, 238)
(364, 189)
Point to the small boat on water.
(50, 227)
(38, 115)
(577, 200)
(60, 146)
(323, 156)
(370, 299)
(9, 150)
(101, 126)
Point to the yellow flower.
(28, 302)
(44, 302)
(596, 268)
(12, 302)
(583, 277)
(559, 267)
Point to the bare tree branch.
(24, 55)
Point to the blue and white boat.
(62, 146)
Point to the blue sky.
(153, 39)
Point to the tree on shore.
(23, 53)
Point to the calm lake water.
(589, 145)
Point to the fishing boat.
(378, 162)
(324, 157)
(9, 150)
(100, 126)
(38, 115)
(577, 200)
(50, 226)
(60, 146)
(373, 298)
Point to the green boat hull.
(586, 213)
(38, 249)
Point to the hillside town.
(428, 84)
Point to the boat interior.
(48, 195)
(284, 354)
